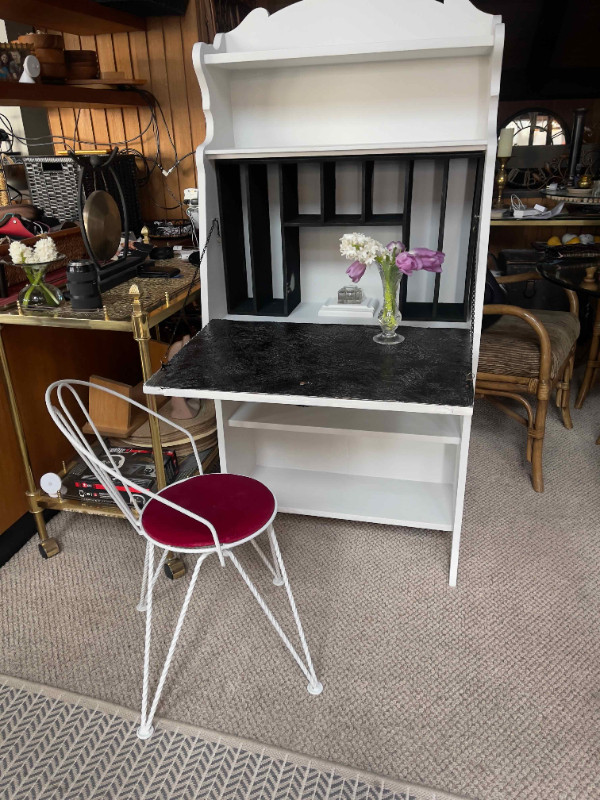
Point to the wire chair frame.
(70, 429)
(72, 432)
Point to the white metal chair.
(237, 509)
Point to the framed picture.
(12, 56)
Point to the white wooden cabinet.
(326, 117)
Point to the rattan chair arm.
(573, 301)
(534, 322)
(535, 276)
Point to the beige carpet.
(491, 690)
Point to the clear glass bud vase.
(38, 293)
(389, 316)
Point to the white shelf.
(443, 428)
(414, 504)
(454, 47)
(309, 312)
(458, 146)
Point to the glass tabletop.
(580, 276)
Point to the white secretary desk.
(326, 117)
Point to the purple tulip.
(397, 245)
(429, 260)
(406, 263)
(355, 271)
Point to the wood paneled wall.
(162, 56)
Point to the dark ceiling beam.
(543, 45)
(557, 84)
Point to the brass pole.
(141, 333)
(32, 492)
(174, 566)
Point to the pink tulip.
(407, 263)
(429, 260)
(355, 271)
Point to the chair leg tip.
(278, 581)
(315, 688)
(141, 607)
(145, 733)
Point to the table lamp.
(505, 144)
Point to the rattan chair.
(202, 516)
(529, 353)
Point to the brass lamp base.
(500, 183)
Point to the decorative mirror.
(535, 128)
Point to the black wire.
(152, 103)
(182, 314)
(16, 191)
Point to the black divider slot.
(288, 191)
(259, 232)
(385, 220)
(473, 236)
(327, 191)
(368, 169)
(440, 244)
(290, 236)
(291, 269)
(229, 182)
(408, 189)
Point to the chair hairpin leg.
(271, 566)
(314, 686)
(278, 579)
(146, 730)
(141, 606)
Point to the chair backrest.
(101, 462)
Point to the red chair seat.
(237, 506)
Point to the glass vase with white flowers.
(35, 261)
(394, 261)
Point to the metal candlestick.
(500, 182)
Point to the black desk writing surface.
(335, 362)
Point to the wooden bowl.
(82, 71)
(52, 41)
(47, 56)
(78, 56)
(53, 71)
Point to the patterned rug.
(59, 745)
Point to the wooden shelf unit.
(51, 95)
(84, 18)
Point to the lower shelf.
(414, 504)
(443, 428)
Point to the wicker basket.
(53, 186)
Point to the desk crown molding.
(324, 23)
